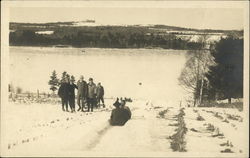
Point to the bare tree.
(193, 75)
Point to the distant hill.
(90, 34)
(15, 25)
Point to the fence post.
(37, 94)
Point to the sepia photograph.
(124, 79)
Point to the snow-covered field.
(158, 127)
(44, 130)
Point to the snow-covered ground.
(211, 38)
(45, 130)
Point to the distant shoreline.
(119, 37)
(146, 48)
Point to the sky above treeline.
(200, 18)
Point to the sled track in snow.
(100, 133)
(97, 139)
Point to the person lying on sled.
(120, 115)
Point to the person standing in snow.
(82, 93)
(100, 94)
(72, 88)
(63, 93)
(91, 100)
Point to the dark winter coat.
(72, 88)
(91, 90)
(128, 112)
(120, 116)
(99, 91)
(82, 89)
(63, 90)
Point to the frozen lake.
(119, 70)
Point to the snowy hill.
(44, 130)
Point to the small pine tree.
(53, 82)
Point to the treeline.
(226, 76)
(102, 37)
(215, 74)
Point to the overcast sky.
(210, 18)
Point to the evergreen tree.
(226, 77)
(53, 82)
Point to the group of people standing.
(88, 94)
